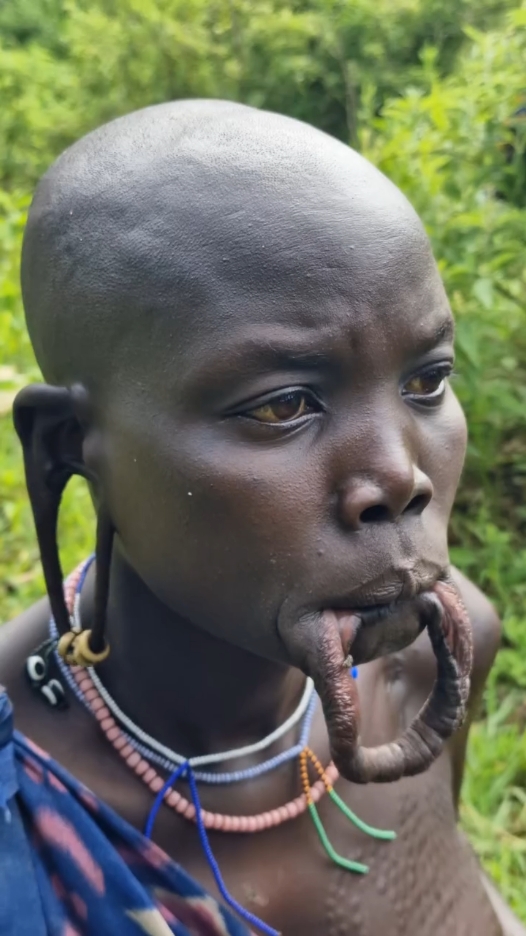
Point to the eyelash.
(302, 393)
(441, 371)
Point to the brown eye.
(288, 407)
(430, 385)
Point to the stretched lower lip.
(361, 626)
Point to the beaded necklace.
(139, 757)
(171, 762)
(157, 753)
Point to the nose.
(401, 490)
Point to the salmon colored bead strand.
(179, 803)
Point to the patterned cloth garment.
(70, 866)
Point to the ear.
(51, 437)
(50, 433)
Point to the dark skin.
(286, 444)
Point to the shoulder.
(487, 630)
(486, 640)
(415, 667)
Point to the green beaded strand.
(359, 823)
(345, 863)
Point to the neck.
(189, 690)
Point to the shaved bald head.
(142, 223)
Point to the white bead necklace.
(172, 758)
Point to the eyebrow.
(445, 332)
(290, 350)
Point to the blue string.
(186, 769)
(152, 815)
(205, 844)
(84, 572)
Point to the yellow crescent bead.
(65, 647)
(76, 651)
(84, 655)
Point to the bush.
(68, 65)
(459, 154)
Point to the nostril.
(379, 513)
(417, 505)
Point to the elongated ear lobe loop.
(89, 647)
(52, 438)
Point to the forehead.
(330, 283)
(346, 296)
(239, 236)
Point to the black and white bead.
(37, 672)
(36, 669)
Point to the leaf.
(483, 291)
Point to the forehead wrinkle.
(265, 348)
(268, 348)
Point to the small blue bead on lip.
(354, 672)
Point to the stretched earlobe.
(80, 647)
(103, 550)
(51, 438)
(50, 432)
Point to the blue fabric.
(20, 908)
(70, 866)
(8, 778)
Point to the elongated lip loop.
(444, 711)
(327, 653)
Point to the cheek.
(216, 531)
(444, 447)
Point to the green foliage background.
(431, 91)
